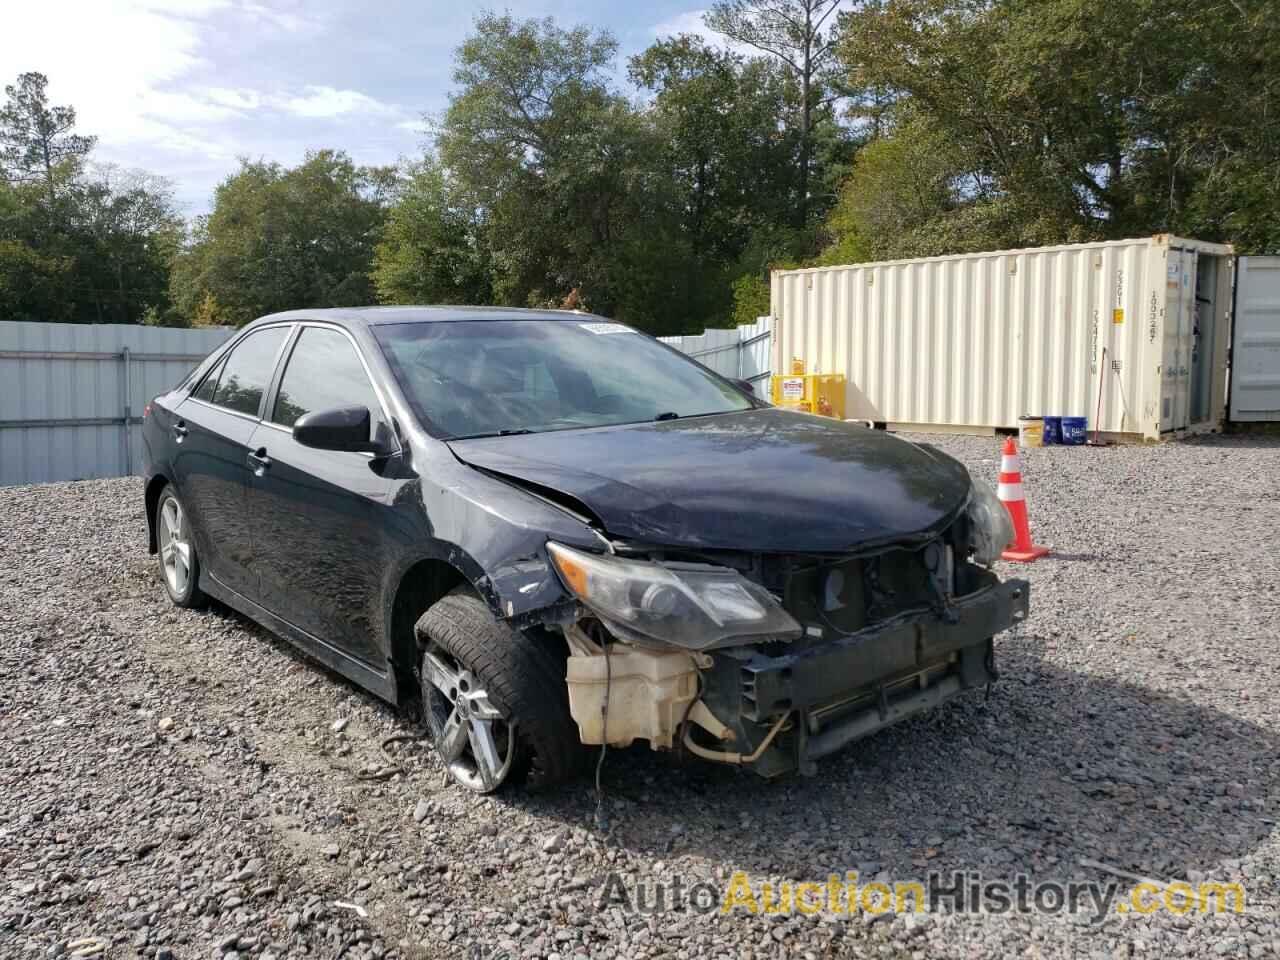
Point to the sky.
(183, 88)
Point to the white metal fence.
(740, 352)
(71, 395)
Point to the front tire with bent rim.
(494, 699)
(179, 566)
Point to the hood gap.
(557, 498)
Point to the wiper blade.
(494, 433)
(668, 415)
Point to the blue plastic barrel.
(1074, 430)
(1052, 430)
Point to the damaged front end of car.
(774, 661)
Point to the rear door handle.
(259, 462)
(180, 430)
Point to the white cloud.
(691, 22)
(236, 99)
(330, 102)
(157, 83)
(688, 22)
(114, 62)
(285, 20)
(125, 66)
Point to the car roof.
(374, 316)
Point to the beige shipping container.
(970, 343)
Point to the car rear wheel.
(179, 566)
(494, 699)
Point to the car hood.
(763, 480)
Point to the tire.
(179, 565)
(509, 683)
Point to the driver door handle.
(259, 462)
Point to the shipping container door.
(1255, 350)
(1179, 326)
(1204, 337)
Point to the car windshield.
(470, 378)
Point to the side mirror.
(341, 428)
(746, 385)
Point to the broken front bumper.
(803, 704)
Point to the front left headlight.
(691, 605)
(990, 529)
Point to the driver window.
(323, 372)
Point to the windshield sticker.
(606, 328)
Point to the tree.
(911, 195)
(715, 115)
(561, 171)
(791, 31)
(529, 97)
(528, 93)
(35, 138)
(750, 299)
(97, 252)
(32, 283)
(733, 166)
(728, 164)
(432, 249)
(129, 220)
(282, 238)
(1229, 126)
(209, 314)
(78, 242)
(1068, 121)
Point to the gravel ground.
(177, 784)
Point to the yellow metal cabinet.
(821, 393)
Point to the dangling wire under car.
(602, 823)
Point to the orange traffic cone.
(1009, 490)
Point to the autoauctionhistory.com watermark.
(957, 891)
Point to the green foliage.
(35, 138)
(910, 195)
(791, 32)
(432, 248)
(557, 185)
(562, 172)
(94, 249)
(130, 220)
(31, 283)
(716, 133)
(281, 239)
(78, 243)
(528, 94)
(209, 313)
(750, 299)
(831, 133)
(1019, 123)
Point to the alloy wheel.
(475, 741)
(175, 547)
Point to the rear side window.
(323, 372)
(209, 384)
(248, 370)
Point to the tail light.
(146, 411)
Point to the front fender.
(495, 535)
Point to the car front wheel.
(179, 566)
(494, 699)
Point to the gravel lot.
(181, 784)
